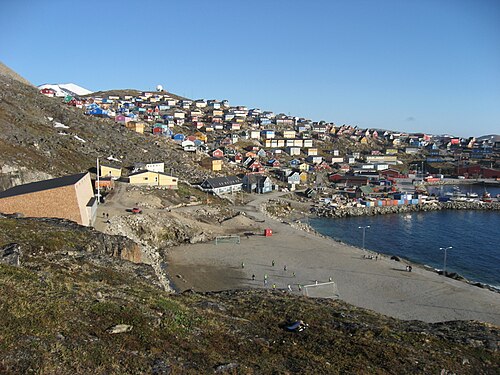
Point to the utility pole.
(364, 234)
(98, 187)
(445, 252)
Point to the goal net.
(321, 290)
(227, 239)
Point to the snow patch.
(62, 133)
(64, 89)
(50, 118)
(112, 158)
(60, 125)
(80, 139)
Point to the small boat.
(456, 195)
(472, 195)
(487, 197)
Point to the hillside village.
(161, 140)
(274, 151)
(78, 296)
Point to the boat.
(486, 197)
(456, 195)
(472, 195)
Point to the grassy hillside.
(59, 307)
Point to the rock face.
(11, 254)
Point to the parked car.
(136, 210)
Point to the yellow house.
(364, 140)
(201, 136)
(289, 133)
(391, 151)
(108, 171)
(149, 178)
(312, 151)
(213, 164)
(303, 167)
(135, 126)
(303, 177)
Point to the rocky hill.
(72, 305)
(40, 137)
(5, 71)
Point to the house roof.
(218, 182)
(110, 166)
(147, 171)
(256, 178)
(43, 185)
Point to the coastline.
(381, 285)
(338, 212)
(451, 275)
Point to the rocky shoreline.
(338, 212)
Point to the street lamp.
(445, 252)
(364, 233)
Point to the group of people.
(285, 269)
(266, 277)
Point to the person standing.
(272, 263)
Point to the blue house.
(97, 112)
(179, 138)
(268, 133)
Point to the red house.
(238, 158)
(48, 92)
(473, 171)
(218, 153)
(392, 173)
(256, 166)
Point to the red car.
(136, 210)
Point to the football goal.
(227, 239)
(321, 290)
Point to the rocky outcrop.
(11, 254)
(328, 211)
(50, 235)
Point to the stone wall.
(327, 211)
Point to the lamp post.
(364, 233)
(445, 252)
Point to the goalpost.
(321, 290)
(227, 239)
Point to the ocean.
(418, 237)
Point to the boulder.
(11, 254)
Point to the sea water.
(474, 236)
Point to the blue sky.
(426, 65)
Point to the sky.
(418, 66)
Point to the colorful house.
(218, 153)
(149, 178)
(257, 183)
(222, 185)
(214, 164)
(110, 171)
(135, 126)
(68, 197)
